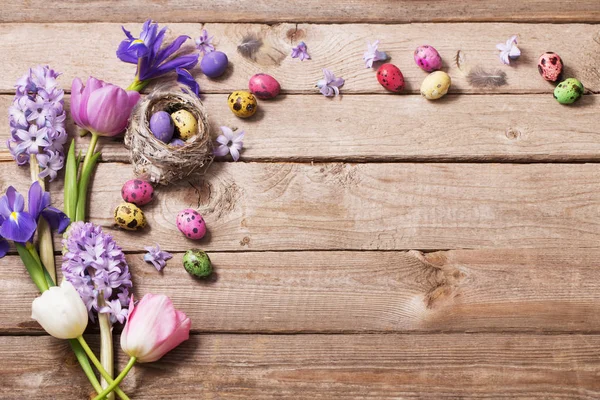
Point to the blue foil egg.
(214, 64)
(162, 126)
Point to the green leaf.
(83, 186)
(35, 269)
(85, 364)
(71, 182)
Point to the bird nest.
(160, 162)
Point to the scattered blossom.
(509, 50)
(300, 52)
(372, 54)
(95, 264)
(157, 257)
(330, 84)
(229, 142)
(203, 42)
(37, 120)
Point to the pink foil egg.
(137, 191)
(264, 86)
(191, 224)
(428, 58)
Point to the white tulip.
(61, 312)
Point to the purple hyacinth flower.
(50, 162)
(203, 42)
(38, 205)
(32, 139)
(184, 77)
(372, 54)
(146, 52)
(229, 142)
(330, 85)
(157, 257)
(17, 225)
(300, 52)
(116, 311)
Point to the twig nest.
(161, 162)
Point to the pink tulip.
(101, 107)
(153, 328)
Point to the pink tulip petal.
(108, 110)
(134, 97)
(180, 334)
(76, 99)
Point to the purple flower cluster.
(95, 264)
(37, 121)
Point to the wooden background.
(370, 246)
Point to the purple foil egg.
(214, 64)
(162, 126)
(177, 142)
(428, 58)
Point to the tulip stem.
(121, 376)
(90, 150)
(102, 371)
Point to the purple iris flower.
(184, 76)
(19, 225)
(146, 52)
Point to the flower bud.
(61, 312)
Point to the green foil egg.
(197, 263)
(568, 91)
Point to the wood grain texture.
(343, 11)
(70, 47)
(287, 206)
(442, 366)
(398, 128)
(334, 292)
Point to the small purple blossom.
(330, 84)
(372, 54)
(203, 42)
(229, 142)
(509, 50)
(95, 264)
(115, 310)
(37, 120)
(300, 52)
(157, 257)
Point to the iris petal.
(19, 227)
(170, 49)
(56, 219)
(34, 199)
(4, 246)
(184, 76)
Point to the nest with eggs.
(161, 162)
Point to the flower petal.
(4, 246)
(20, 227)
(235, 154)
(35, 200)
(170, 49)
(184, 77)
(222, 139)
(221, 151)
(56, 218)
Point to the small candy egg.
(214, 64)
(162, 126)
(390, 77)
(191, 224)
(568, 91)
(197, 263)
(186, 123)
(435, 85)
(177, 142)
(550, 66)
(129, 216)
(243, 104)
(264, 86)
(428, 58)
(137, 191)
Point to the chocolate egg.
(129, 216)
(428, 58)
(214, 64)
(264, 86)
(186, 123)
(197, 263)
(435, 85)
(191, 224)
(243, 104)
(568, 91)
(162, 126)
(550, 66)
(390, 77)
(137, 191)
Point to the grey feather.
(460, 60)
(250, 45)
(479, 77)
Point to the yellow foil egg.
(435, 85)
(185, 123)
(129, 216)
(243, 104)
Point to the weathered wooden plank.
(406, 128)
(441, 366)
(466, 290)
(287, 206)
(70, 47)
(342, 11)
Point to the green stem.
(90, 150)
(33, 266)
(121, 376)
(98, 365)
(137, 85)
(85, 364)
(89, 163)
(106, 343)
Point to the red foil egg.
(550, 66)
(264, 86)
(390, 77)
